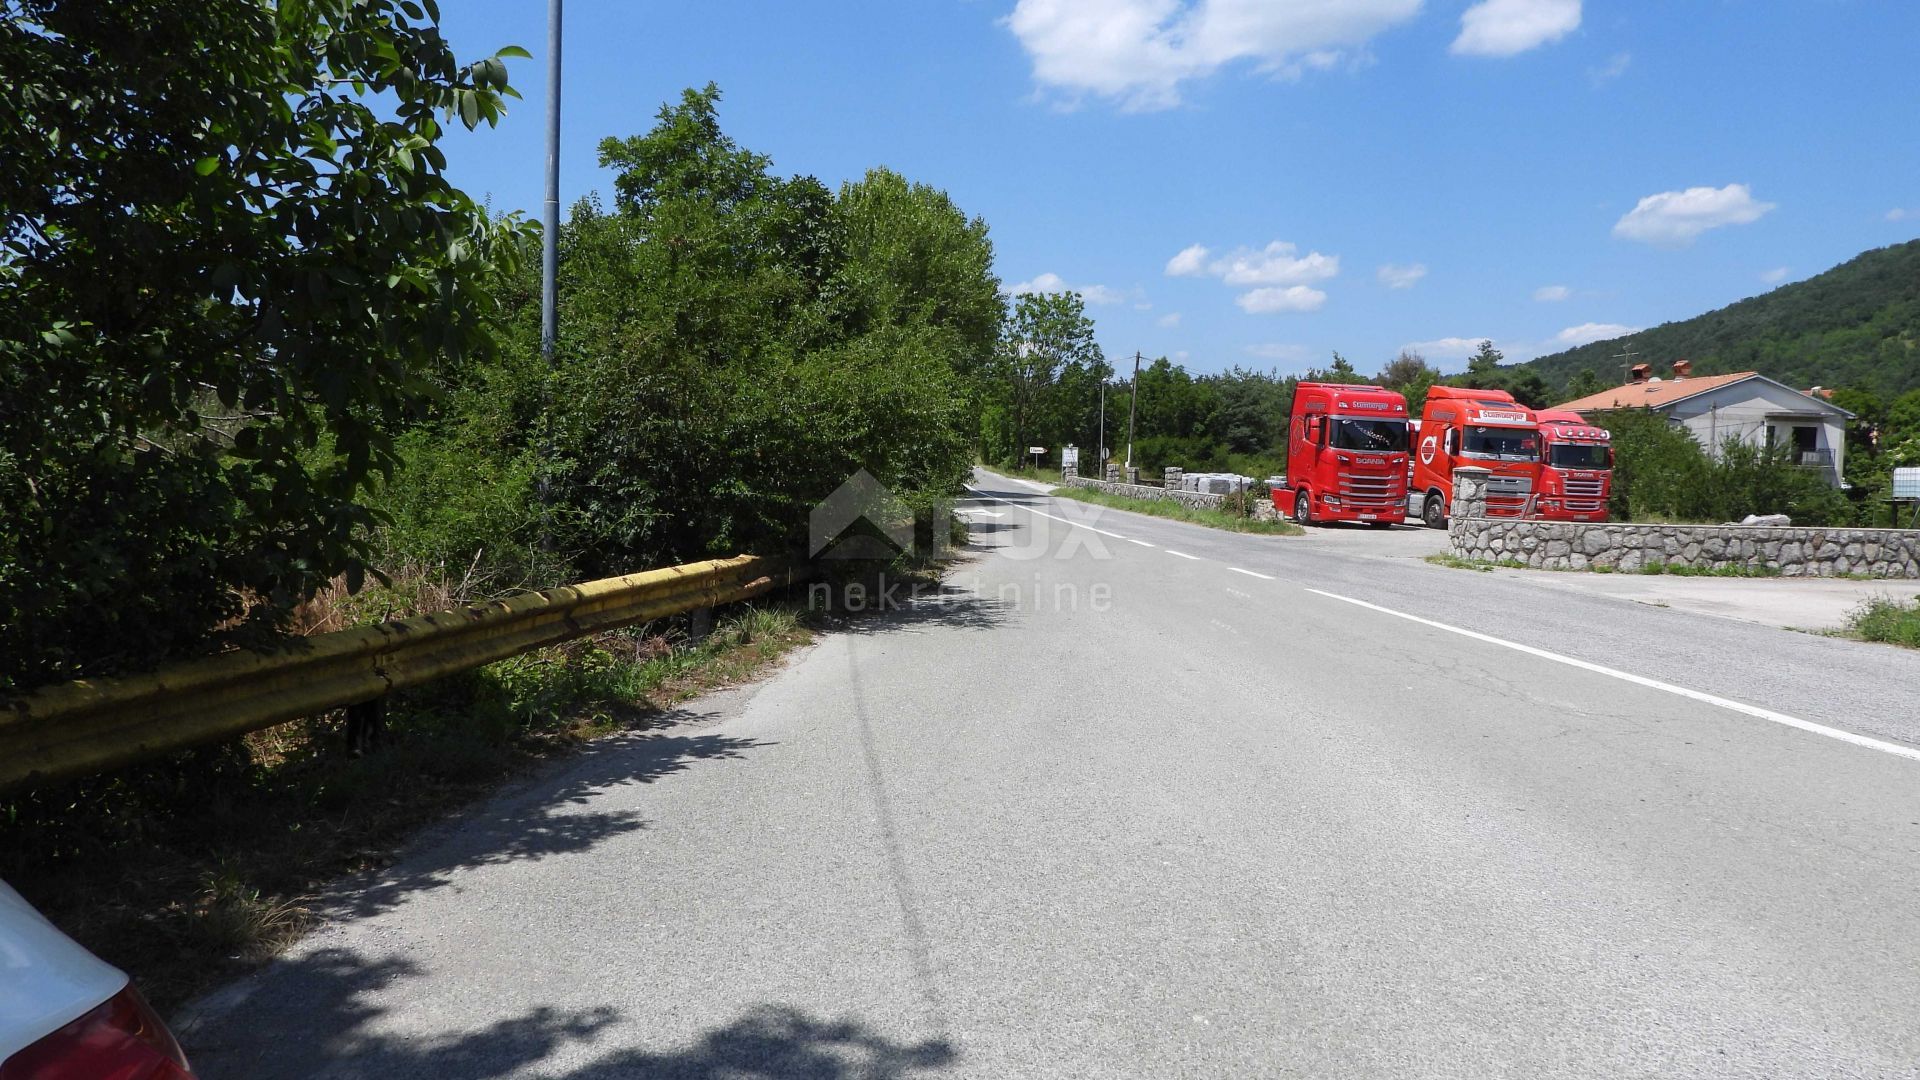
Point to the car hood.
(46, 979)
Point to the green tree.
(1340, 371)
(1411, 376)
(1526, 386)
(233, 267)
(1583, 384)
(734, 344)
(1046, 334)
(1484, 359)
(1658, 467)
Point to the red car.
(67, 1015)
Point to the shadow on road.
(914, 606)
(539, 820)
(322, 1024)
(779, 1044)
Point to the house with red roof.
(1745, 405)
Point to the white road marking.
(1251, 573)
(1044, 514)
(1912, 753)
(1181, 554)
(984, 513)
(1131, 540)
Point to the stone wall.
(1793, 552)
(1196, 499)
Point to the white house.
(1746, 405)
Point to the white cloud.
(1290, 298)
(1296, 354)
(1552, 294)
(1275, 264)
(1588, 333)
(1615, 67)
(1139, 52)
(1508, 27)
(1401, 277)
(1675, 218)
(1054, 283)
(1170, 320)
(1447, 348)
(1190, 262)
(1901, 213)
(1775, 276)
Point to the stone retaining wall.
(1793, 551)
(1197, 499)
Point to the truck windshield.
(1501, 444)
(1378, 436)
(1578, 456)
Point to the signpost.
(1906, 489)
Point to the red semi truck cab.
(1346, 455)
(1576, 468)
(1487, 428)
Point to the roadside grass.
(1448, 558)
(1166, 508)
(1673, 570)
(1655, 569)
(1884, 619)
(189, 871)
(1039, 476)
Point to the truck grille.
(1507, 495)
(1583, 496)
(1371, 491)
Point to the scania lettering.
(1346, 455)
(1487, 428)
(1576, 468)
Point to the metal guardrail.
(87, 726)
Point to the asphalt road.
(1156, 801)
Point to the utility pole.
(550, 239)
(1626, 357)
(1103, 427)
(1133, 410)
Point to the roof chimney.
(1639, 373)
(1682, 368)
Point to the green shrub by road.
(1885, 619)
(1166, 508)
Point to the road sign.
(1906, 484)
(1036, 449)
(1070, 457)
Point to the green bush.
(1662, 474)
(1889, 620)
(233, 268)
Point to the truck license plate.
(1368, 517)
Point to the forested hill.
(1856, 325)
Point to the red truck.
(1488, 428)
(1346, 455)
(1576, 468)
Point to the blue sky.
(1260, 183)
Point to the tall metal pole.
(1103, 427)
(1133, 410)
(550, 240)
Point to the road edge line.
(1871, 743)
